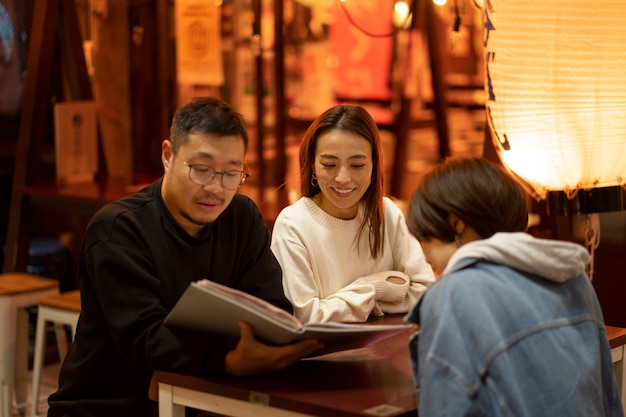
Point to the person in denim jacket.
(512, 326)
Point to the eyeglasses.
(201, 174)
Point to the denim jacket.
(513, 328)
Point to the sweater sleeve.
(386, 290)
(408, 259)
(442, 389)
(300, 245)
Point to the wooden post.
(54, 30)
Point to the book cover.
(211, 307)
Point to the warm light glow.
(401, 12)
(557, 91)
(401, 9)
(440, 2)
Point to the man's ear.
(166, 153)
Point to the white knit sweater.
(329, 277)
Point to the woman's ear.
(464, 232)
(457, 224)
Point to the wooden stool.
(17, 291)
(62, 309)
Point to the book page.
(218, 309)
(253, 302)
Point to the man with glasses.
(139, 255)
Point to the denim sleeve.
(442, 388)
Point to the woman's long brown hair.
(355, 119)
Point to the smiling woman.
(345, 249)
(343, 168)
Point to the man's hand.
(252, 357)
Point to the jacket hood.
(554, 260)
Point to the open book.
(212, 307)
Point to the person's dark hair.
(206, 115)
(480, 193)
(355, 119)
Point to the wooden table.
(617, 340)
(373, 381)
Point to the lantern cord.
(457, 17)
(592, 239)
(570, 193)
(456, 27)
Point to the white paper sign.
(198, 46)
(76, 141)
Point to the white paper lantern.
(556, 90)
